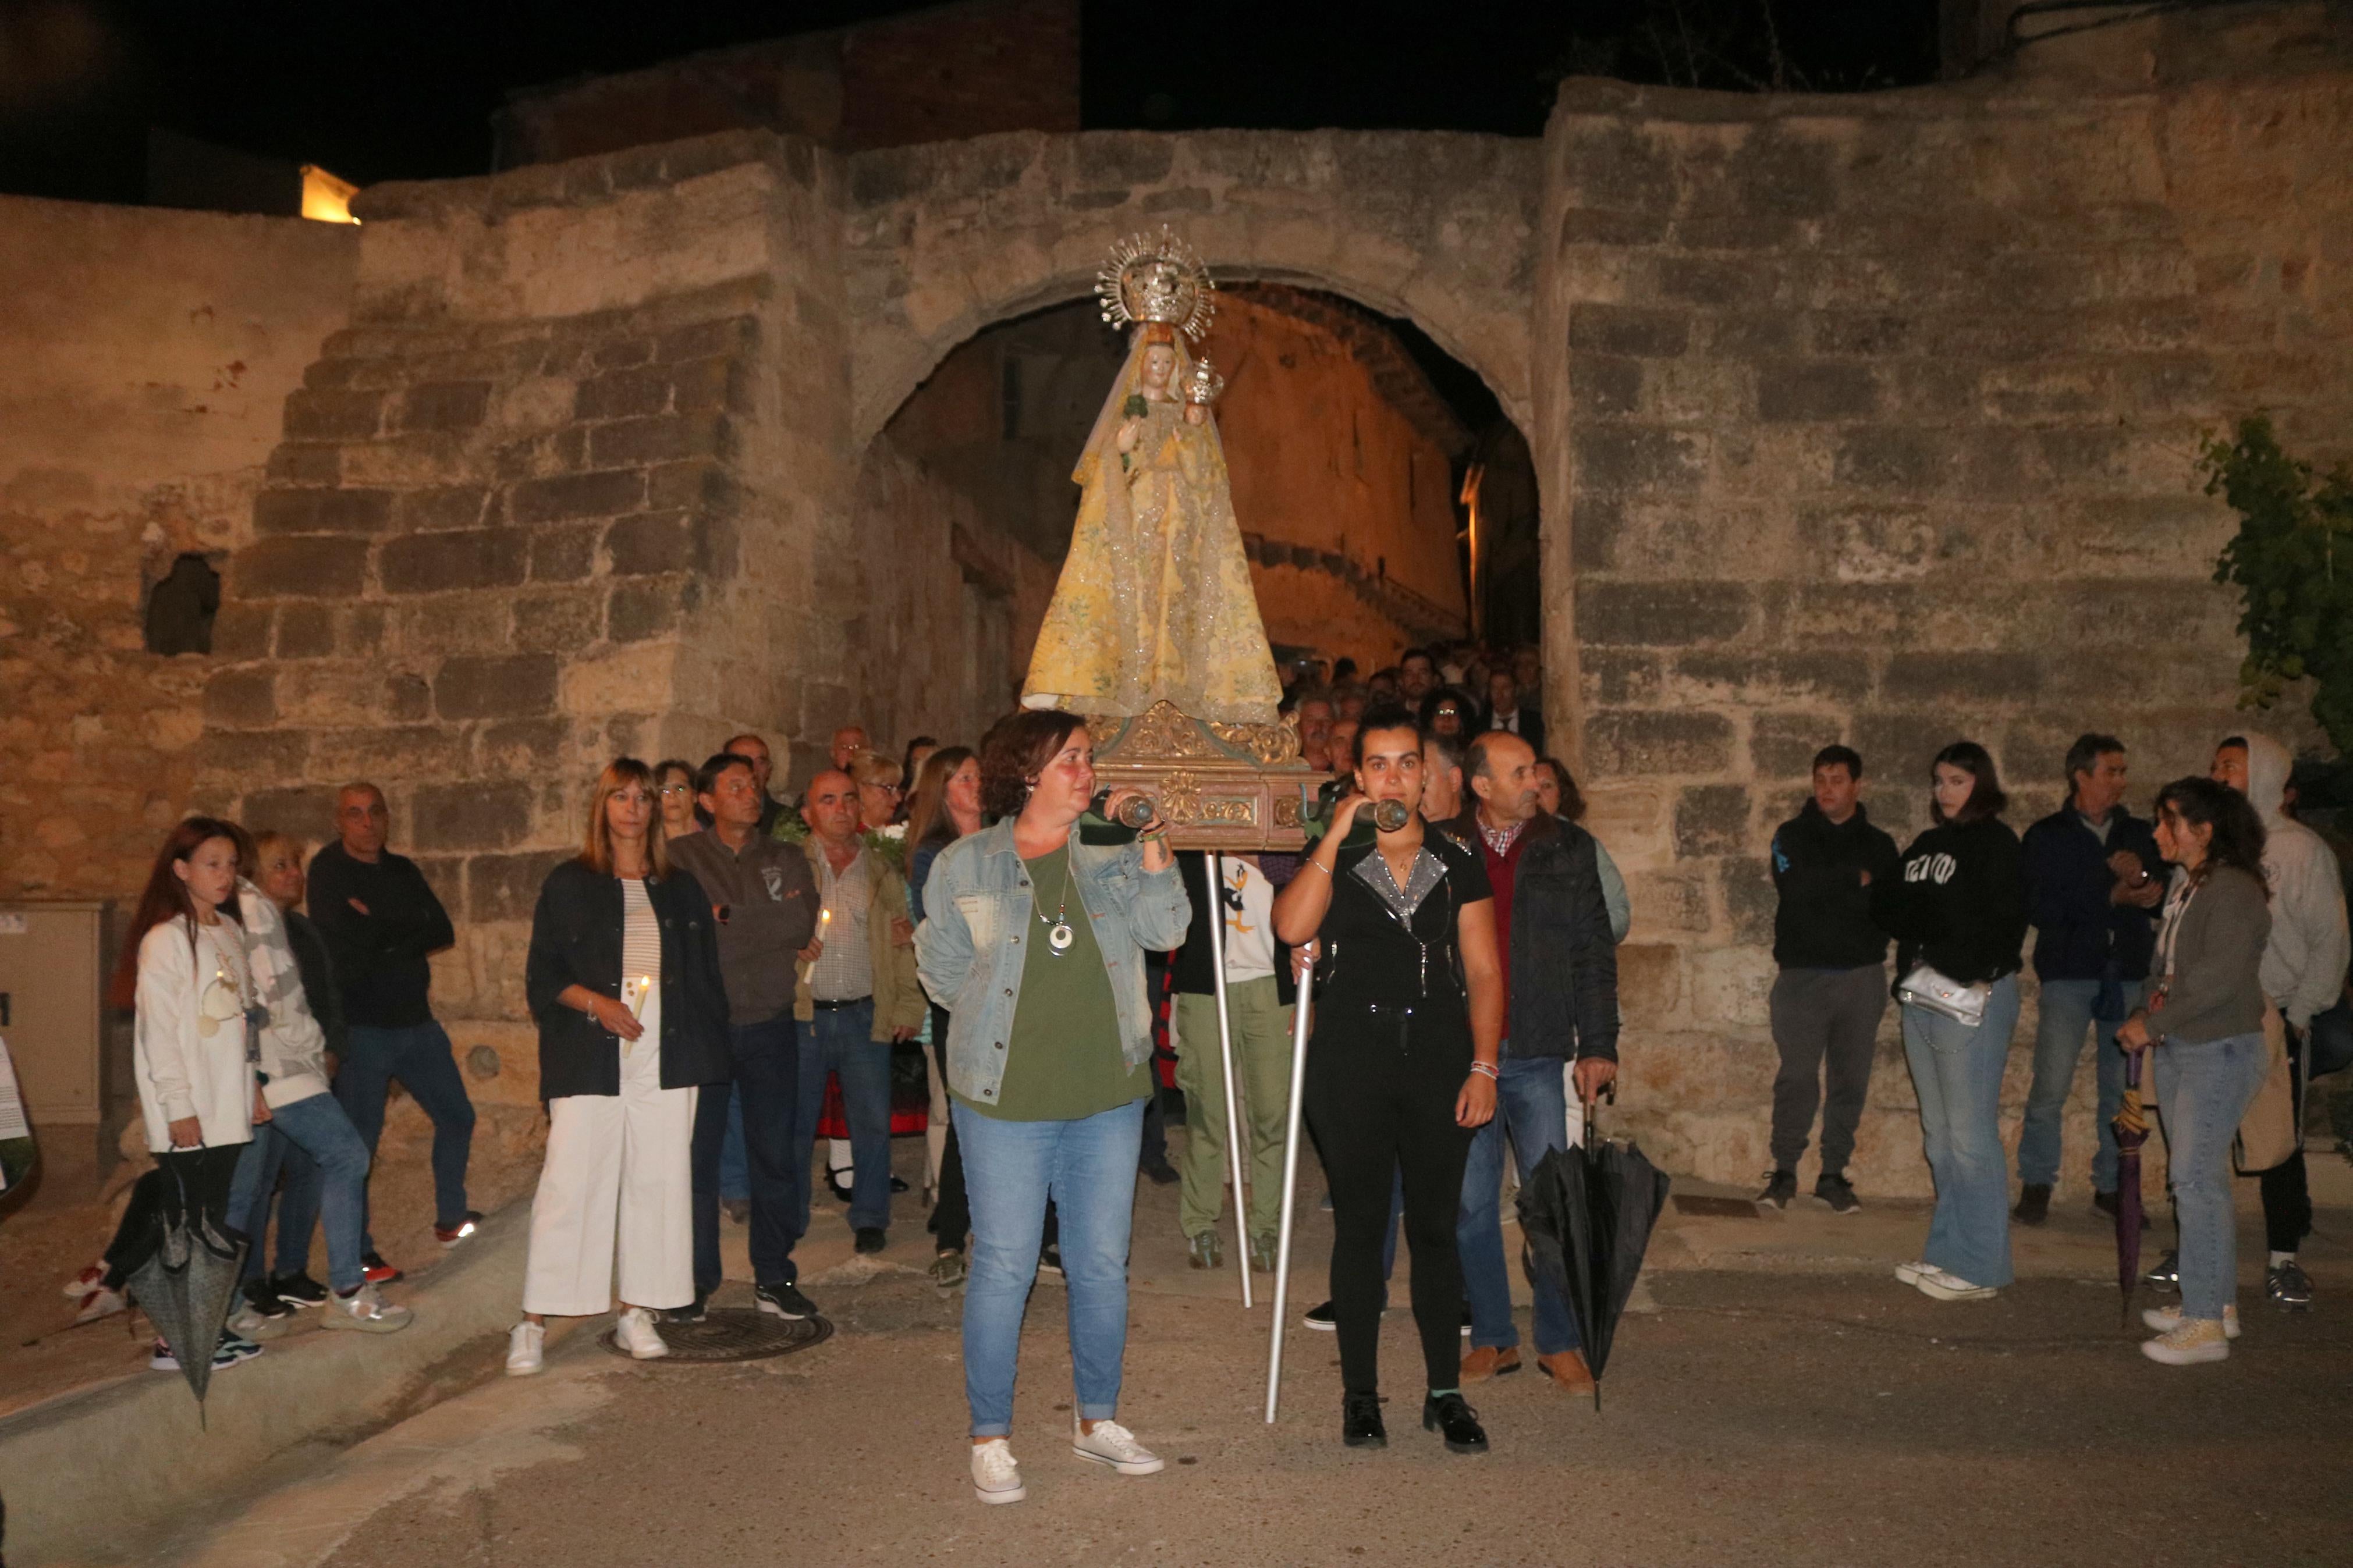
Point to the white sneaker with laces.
(2191, 1340)
(2165, 1320)
(1947, 1286)
(1113, 1444)
(364, 1309)
(995, 1474)
(1910, 1272)
(636, 1333)
(249, 1324)
(526, 1347)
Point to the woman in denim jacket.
(1034, 943)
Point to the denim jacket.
(977, 911)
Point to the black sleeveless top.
(1379, 955)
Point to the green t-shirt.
(1063, 1060)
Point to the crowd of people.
(721, 977)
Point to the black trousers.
(951, 1220)
(766, 1073)
(1381, 1086)
(2287, 1195)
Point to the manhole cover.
(1719, 1208)
(736, 1333)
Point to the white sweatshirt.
(180, 1071)
(293, 1047)
(2304, 962)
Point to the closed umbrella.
(188, 1277)
(1586, 1217)
(2131, 1124)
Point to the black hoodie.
(1824, 919)
(1960, 902)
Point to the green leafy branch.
(2296, 594)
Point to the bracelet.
(1484, 1070)
(1313, 864)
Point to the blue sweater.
(2076, 930)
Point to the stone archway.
(941, 241)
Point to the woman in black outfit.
(1401, 1068)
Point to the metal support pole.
(1215, 867)
(1289, 1193)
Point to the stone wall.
(149, 354)
(572, 484)
(1876, 421)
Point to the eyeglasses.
(678, 789)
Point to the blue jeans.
(1010, 1169)
(836, 1040)
(1956, 1072)
(317, 1131)
(270, 1155)
(762, 1098)
(2203, 1092)
(1532, 1106)
(2065, 1013)
(420, 1058)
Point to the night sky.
(378, 89)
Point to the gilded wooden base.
(1220, 786)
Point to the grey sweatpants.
(1826, 1024)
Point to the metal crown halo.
(1156, 277)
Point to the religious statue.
(1155, 604)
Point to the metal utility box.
(51, 986)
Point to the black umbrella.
(1585, 1216)
(189, 1275)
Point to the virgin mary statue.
(1154, 602)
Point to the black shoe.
(298, 1290)
(264, 1299)
(694, 1311)
(1837, 1192)
(1320, 1317)
(1780, 1186)
(738, 1209)
(870, 1239)
(784, 1301)
(1162, 1173)
(898, 1184)
(837, 1186)
(1455, 1420)
(2034, 1204)
(2167, 1275)
(374, 1270)
(1360, 1422)
(1466, 1323)
(1050, 1258)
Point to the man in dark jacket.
(1833, 988)
(2094, 882)
(382, 922)
(1560, 991)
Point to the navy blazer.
(575, 940)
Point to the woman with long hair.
(944, 807)
(1402, 1067)
(1958, 917)
(623, 977)
(674, 793)
(186, 978)
(911, 771)
(2203, 1028)
(1035, 939)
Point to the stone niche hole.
(181, 607)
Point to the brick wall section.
(499, 545)
(1876, 421)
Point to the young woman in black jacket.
(623, 978)
(1959, 915)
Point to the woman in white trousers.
(623, 978)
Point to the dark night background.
(376, 91)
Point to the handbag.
(1928, 987)
(2268, 1135)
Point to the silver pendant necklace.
(1059, 934)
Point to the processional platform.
(1220, 786)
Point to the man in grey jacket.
(2303, 973)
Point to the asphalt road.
(1754, 1418)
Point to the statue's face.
(1159, 364)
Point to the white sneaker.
(636, 1333)
(996, 1476)
(1910, 1272)
(1947, 1286)
(1113, 1444)
(526, 1345)
(2193, 1340)
(247, 1323)
(2165, 1320)
(364, 1309)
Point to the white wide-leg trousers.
(615, 1193)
